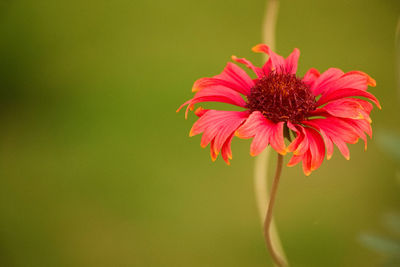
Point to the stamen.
(281, 97)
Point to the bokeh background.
(97, 169)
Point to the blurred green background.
(97, 169)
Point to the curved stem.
(397, 43)
(268, 218)
(262, 198)
(269, 23)
(261, 162)
(260, 182)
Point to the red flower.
(319, 109)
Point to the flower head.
(320, 110)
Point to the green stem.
(261, 162)
(269, 23)
(279, 261)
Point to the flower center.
(281, 97)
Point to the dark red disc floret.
(281, 97)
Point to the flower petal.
(275, 61)
(277, 139)
(218, 128)
(294, 160)
(258, 71)
(364, 104)
(364, 125)
(200, 111)
(264, 132)
(337, 131)
(361, 127)
(326, 78)
(258, 127)
(335, 79)
(226, 151)
(232, 77)
(317, 148)
(364, 80)
(260, 141)
(307, 147)
(311, 76)
(300, 144)
(345, 108)
(354, 80)
(291, 62)
(214, 94)
(342, 93)
(202, 83)
(213, 153)
(306, 158)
